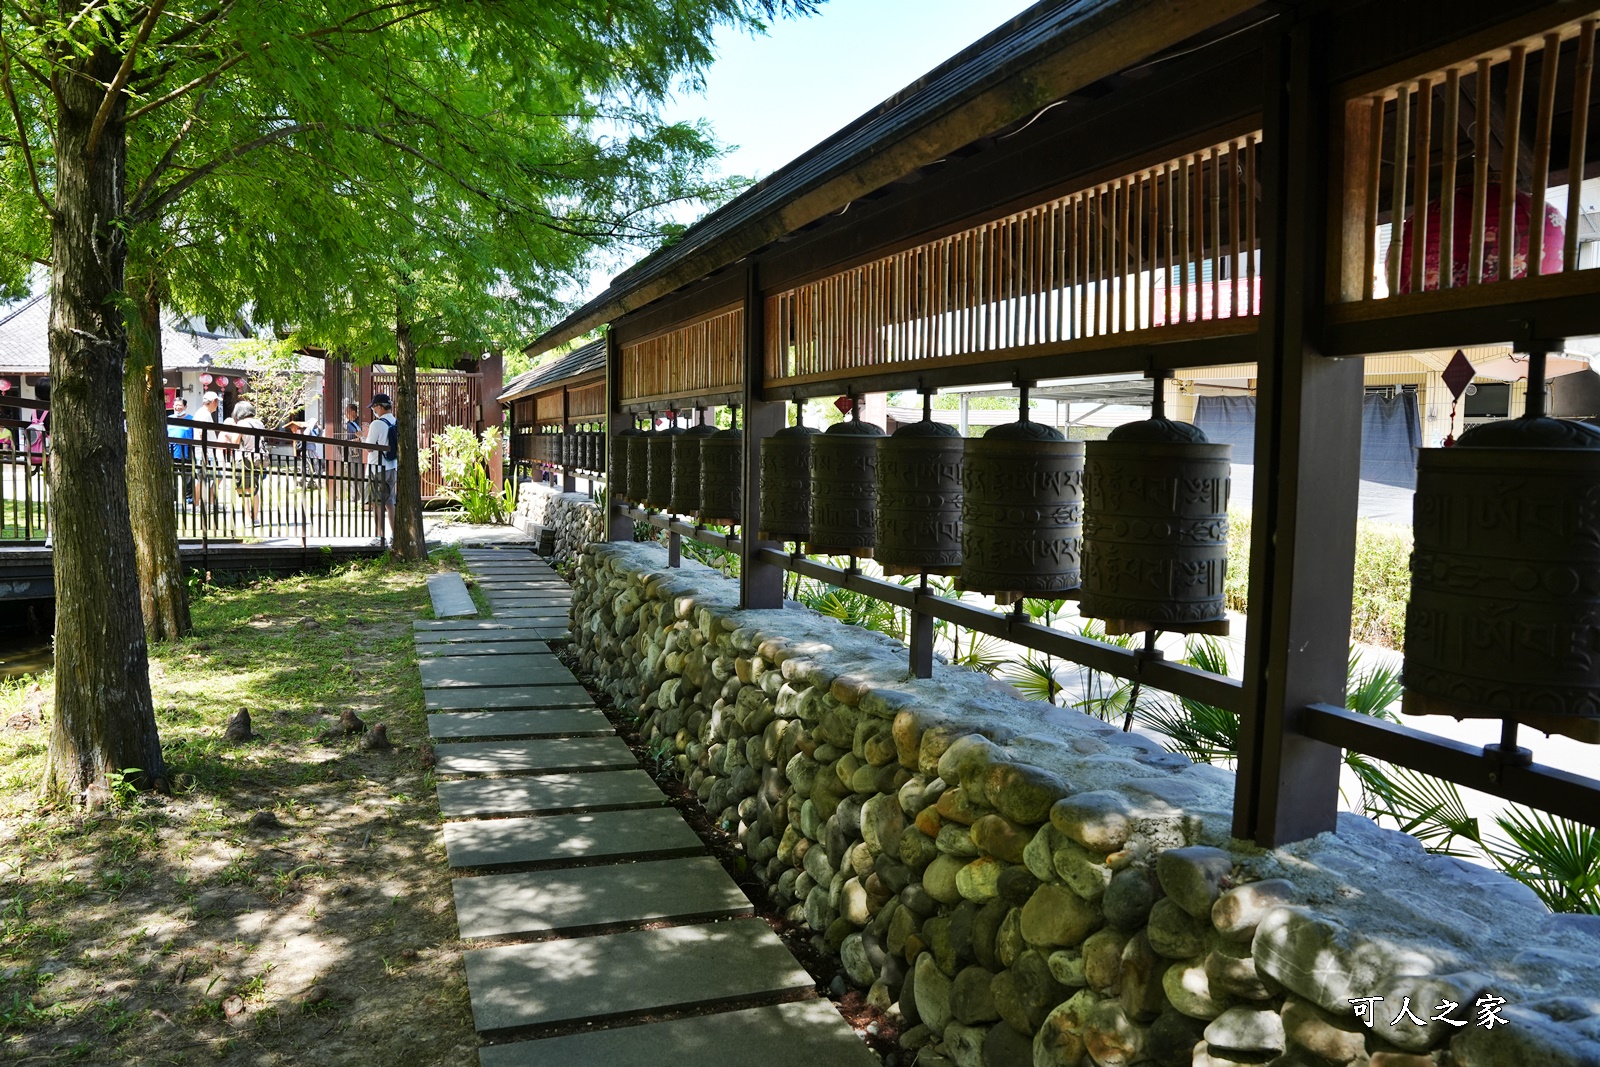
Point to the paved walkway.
(605, 915)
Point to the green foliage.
(714, 556)
(464, 464)
(1556, 858)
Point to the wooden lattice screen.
(444, 398)
(548, 409)
(703, 357)
(1166, 246)
(1446, 140)
(587, 402)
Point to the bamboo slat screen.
(702, 357)
(1446, 141)
(548, 407)
(587, 401)
(1170, 244)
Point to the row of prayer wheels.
(582, 450)
(695, 471)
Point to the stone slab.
(802, 1033)
(550, 585)
(506, 633)
(446, 672)
(620, 974)
(449, 625)
(559, 600)
(583, 898)
(562, 838)
(449, 595)
(550, 754)
(547, 793)
(533, 616)
(465, 698)
(546, 605)
(527, 647)
(533, 722)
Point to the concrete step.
(616, 975)
(557, 839)
(533, 903)
(546, 755)
(474, 699)
(507, 633)
(804, 1033)
(483, 648)
(461, 798)
(449, 672)
(445, 626)
(529, 722)
(449, 595)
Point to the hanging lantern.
(205, 379)
(919, 498)
(621, 491)
(1155, 544)
(786, 484)
(1552, 250)
(639, 465)
(222, 381)
(1504, 615)
(686, 468)
(1021, 512)
(844, 488)
(661, 467)
(5, 385)
(722, 478)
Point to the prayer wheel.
(786, 484)
(620, 490)
(661, 467)
(844, 489)
(592, 457)
(919, 499)
(722, 478)
(639, 467)
(686, 468)
(1155, 539)
(1021, 512)
(1504, 617)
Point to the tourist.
(382, 464)
(250, 459)
(183, 455)
(208, 461)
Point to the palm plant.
(1555, 857)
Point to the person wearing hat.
(206, 459)
(250, 459)
(383, 464)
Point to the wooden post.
(332, 424)
(1308, 439)
(619, 527)
(491, 379)
(760, 584)
(569, 480)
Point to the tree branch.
(22, 131)
(114, 90)
(178, 188)
(166, 157)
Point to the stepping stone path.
(618, 940)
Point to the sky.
(776, 95)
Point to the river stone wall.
(575, 517)
(1027, 885)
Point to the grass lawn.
(289, 903)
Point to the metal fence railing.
(24, 483)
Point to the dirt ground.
(290, 902)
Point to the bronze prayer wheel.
(686, 468)
(639, 467)
(620, 490)
(661, 467)
(844, 489)
(1021, 512)
(786, 484)
(1155, 539)
(919, 499)
(1504, 618)
(722, 478)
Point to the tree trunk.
(152, 498)
(103, 722)
(408, 537)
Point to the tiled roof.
(586, 360)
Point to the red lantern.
(5, 385)
(222, 381)
(205, 379)
(1550, 260)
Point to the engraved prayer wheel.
(1504, 617)
(786, 484)
(597, 451)
(722, 478)
(586, 441)
(661, 467)
(639, 467)
(620, 490)
(919, 499)
(1021, 512)
(686, 468)
(844, 489)
(1155, 536)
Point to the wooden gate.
(444, 398)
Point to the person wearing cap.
(182, 454)
(249, 463)
(207, 461)
(381, 470)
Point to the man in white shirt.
(382, 464)
(206, 459)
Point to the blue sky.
(776, 95)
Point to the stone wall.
(575, 517)
(1029, 885)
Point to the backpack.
(391, 441)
